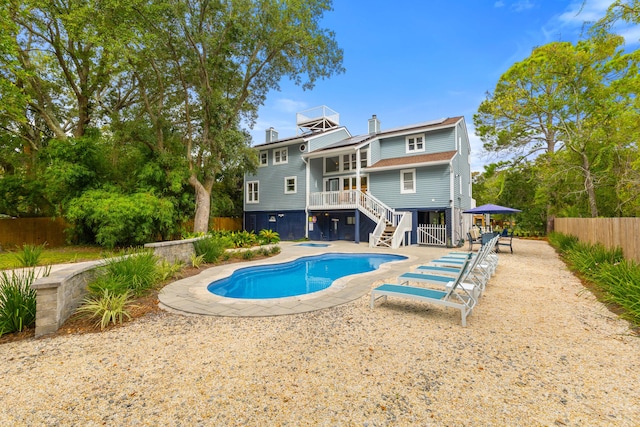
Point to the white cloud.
(522, 5)
(499, 3)
(580, 11)
(289, 105)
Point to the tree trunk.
(589, 186)
(203, 204)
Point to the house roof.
(415, 160)
(359, 139)
(303, 137)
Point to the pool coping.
(190, 295)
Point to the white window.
(407, 181)
(332, 164)
(252, 192)
(415, 143)
(280, 156)
(264, 158)
(349, 162)
(290, 185)
(363, 159)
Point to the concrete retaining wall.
(59, 294)
(175, 250)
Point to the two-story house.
(389, 187)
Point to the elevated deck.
(317, 119)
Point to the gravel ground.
(539, 350)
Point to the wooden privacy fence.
(36, 231)
(610, 232)
(32, 231)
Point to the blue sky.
(413, 61)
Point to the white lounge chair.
(451, 297)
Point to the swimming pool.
(301, 276)
(313, 245)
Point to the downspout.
(306, 196)
(451, 200)
(357, 212)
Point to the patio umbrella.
(491, 209)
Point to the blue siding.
(435, 142)
(290, 225)
(431, 183)
(332, 225)
(324, 140)
(272, 185)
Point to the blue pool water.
(301, 276)
(314, 245)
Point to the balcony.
(317, 119)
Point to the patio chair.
(452, 297)
(505, 240)
(474, 238)
(479, 272)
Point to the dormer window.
(415, 143)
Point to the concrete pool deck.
(190, 295)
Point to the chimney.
(374, 125)
(272, 135)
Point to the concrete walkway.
(190, 295)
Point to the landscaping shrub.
(17, 301)
(606, 269)
(248, 255)
(211, 247)
(244, 239)
(621, 282)
(562, 242)
(587, 258)
(268, 236)
(30, 255)
(113, 219)
(107, 307)
(136, 273)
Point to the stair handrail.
(405, 223)
(374, 208)
(374, 237)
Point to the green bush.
(244, 239)
(112, 219)
(107, 307)
(248, 255)
(268, 236)
(562, 242)
(274, 250)
(17, 301)
(134, 273)
(211, 247)
(587, 258)
(138, 270)
(30, 255)
(606, 269)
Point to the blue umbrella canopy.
(491, 209)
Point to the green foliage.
(617, 278)
(268, 236)
(211, 247)
(621, 282)
(138, 270)
(17, 301)
(274, 250)
(134, 273)
(114, 219)
(248, 254)
(30, 255)
(244, 239)
(588, 258)
(197, 260)
(563, 242)
(168, 270)
(107, 307)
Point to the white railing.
(405, 223)
(432, 234)
(374, 237)
(373, 208)
(334, 199)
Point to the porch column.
(357, 233)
